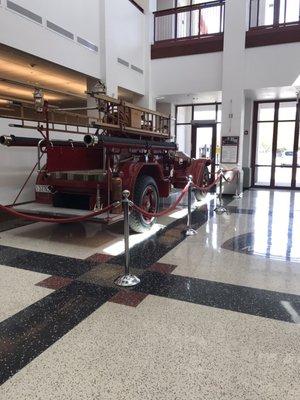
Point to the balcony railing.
(273, 13)
(189, 22)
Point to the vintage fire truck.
(122, 146)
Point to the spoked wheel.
(146, 197)
(205, 182)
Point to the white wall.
(272, 66)
(125, 39)
(79, 17)
(188, 74)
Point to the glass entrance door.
(204, 143)
(276, 155)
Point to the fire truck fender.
(132, 171)
(197, 168)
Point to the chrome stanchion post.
(127, 279)
(220, 209)
(190, 231)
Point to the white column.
(233, 99)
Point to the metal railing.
(273, 13)
(189, 22)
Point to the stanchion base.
(127, 280)
(238, 196)
(221, 210)
(190, 232)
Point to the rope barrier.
(207, 188)
(164, 212)
(60, 220)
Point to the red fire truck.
(124, 147)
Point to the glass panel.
(266, 112)
(184, 138)
(289, 11)
(298, 178)
(165, 27)
(253, 16)
(285, 143)
(184, 115)
(210, 20)
(205, 113)
(203, 143)
(219, 116)
(283, 176)
(264, 143)
(195, 23)
(165, 5)
(183, 24)
(218, 146)
(262, 176)
(287, 111)
(266, 12)
(182, 3)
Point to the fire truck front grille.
(68, 200)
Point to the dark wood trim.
(137, 6)
(187, 46)
(267, 36)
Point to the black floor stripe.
(44, 263)
(258, 302)
(30, 332)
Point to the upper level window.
(168, 4)
(273, 12)
(189, 19)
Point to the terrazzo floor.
(216, 316)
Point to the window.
(273, 12)
(276, 136)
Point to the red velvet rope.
(58, 219)
(164, 212)
(207, 188)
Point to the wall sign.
(230, 149)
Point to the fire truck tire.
(201, 195)
(145, 196)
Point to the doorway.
(204, 144)
(276, 145)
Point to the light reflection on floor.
(276, 224)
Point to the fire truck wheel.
(205, 182)
(145, 196)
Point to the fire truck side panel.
(60, 158)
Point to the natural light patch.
(118, 247)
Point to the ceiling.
(20, 73)
(288, 92)
(205, 97)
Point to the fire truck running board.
(47, 210)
